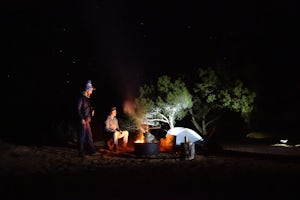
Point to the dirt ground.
(236, 172)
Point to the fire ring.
(146, 148)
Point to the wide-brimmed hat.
(89, 85)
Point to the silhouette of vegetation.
(214, 92)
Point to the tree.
(166, 102)
(215, 92)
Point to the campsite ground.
(238, 171)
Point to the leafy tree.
(215, 92)
(164, 103)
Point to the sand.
(56, 172)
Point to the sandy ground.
(238, 172)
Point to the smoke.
(130, 108)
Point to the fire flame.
(140, 138)
(166, 144)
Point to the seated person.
(112, 127)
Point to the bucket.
(146, 148)
(187, 151)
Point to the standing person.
(112, 127)
(85, 113)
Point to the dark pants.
(85, 135)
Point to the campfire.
(146, 143)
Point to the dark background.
(51, 48)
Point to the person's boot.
(115, 148)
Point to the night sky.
(52, 48)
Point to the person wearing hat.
(85, 113)
(112, 127)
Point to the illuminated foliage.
(165, 102)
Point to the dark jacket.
(84, 109)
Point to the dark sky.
(52, 48)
